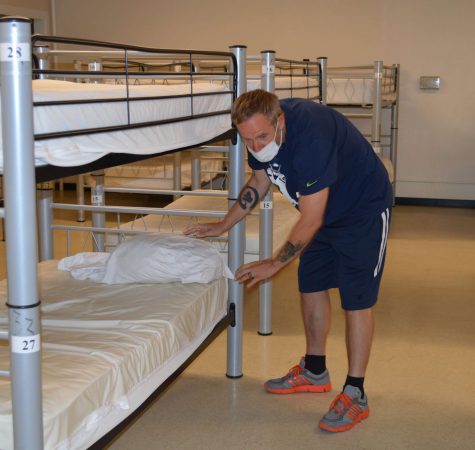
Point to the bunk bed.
(369, 92)
(76, 343)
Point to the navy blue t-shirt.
(324, 149)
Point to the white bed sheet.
(107, 348)
(285, 216)
(78, 150)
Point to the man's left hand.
(251, 273)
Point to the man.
(328, 170)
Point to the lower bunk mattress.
(158, 173)
(106, 348)
(284, 218)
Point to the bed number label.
(267, 70)
(266, 205)
(97, 199)
(15, 52)
(25, 344)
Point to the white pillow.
(85, 265)
(164, 258)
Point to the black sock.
(356, 382)
(315, 363)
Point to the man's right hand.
(201, 230)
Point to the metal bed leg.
(22, 253)
(236, 234)
(265, 251)
(195, 169)
(98, 218)
(177, 185)
(322, 64)
(266, 214)
(376, 119)
(80, 197)
(394, 127)
(45, 220)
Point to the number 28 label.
(15, 52)
(25, 344)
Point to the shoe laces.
(296, 370)
(344, 404)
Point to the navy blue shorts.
(349, 257)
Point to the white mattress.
(285, 216)
(355, 91)
(80, 150)
(157, 173)
(106, 348)
(283, 87)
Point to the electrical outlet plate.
(429, 82)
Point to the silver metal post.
(177, 184)
(236, 233)
(22, 254)
(80, 197)
(95, 66)
(196, 170)
(395, 126)
(98, 218)
(45, 220)
(376, 121)
(323, 64)
(266, 214)
(41, 53)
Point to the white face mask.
(267, 153)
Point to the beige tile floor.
(421, 379)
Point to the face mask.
(267, 153)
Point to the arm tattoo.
(289, 250)
(248, 195)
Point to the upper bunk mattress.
(83, 149)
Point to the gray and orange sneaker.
(299, 379)
(348, 409)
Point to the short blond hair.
(253, 102)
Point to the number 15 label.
(15, 52)
(25, 344)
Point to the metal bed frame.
(386, 81)
(24, 332)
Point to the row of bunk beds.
(96, 355)
(359, 92)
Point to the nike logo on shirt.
(309, 184)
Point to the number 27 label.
(25, 344)
(15, 52)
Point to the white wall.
(38, 10)
(436, 156)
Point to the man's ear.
(281, 120)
